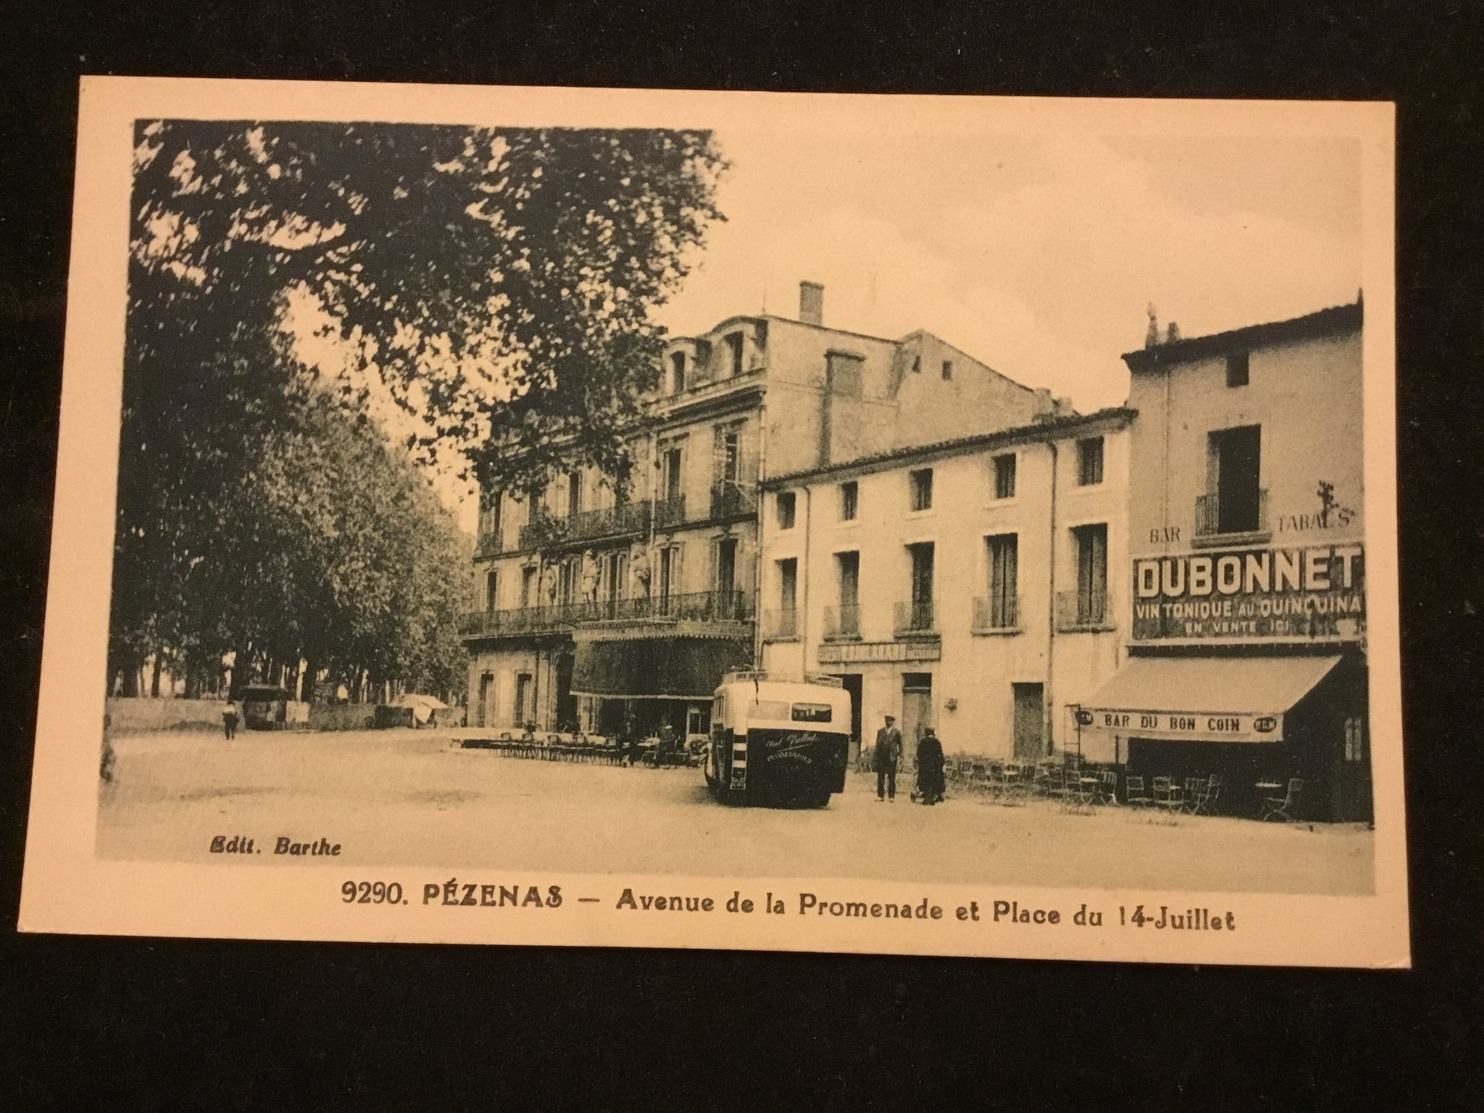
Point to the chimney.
(811, 303)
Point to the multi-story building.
(617, 614)
(1247, 572)
(962, 585)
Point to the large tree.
(494, 284)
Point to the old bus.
(777, 741)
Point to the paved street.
(409, 798)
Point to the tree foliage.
(494, 284)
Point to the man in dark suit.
(888, 753)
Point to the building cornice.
(1325, 322)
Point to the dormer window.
(677, 372)
(734, 353)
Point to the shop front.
(634, 686)
(1257, 722)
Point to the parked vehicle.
(778, 741)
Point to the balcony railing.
(996, 613)
(669, 512)
(489, 544)
(843, 621)
(701, 606)
(586, 525)
(915, 619)
(1082, 610)
(732, 500)
(1249, 518)
(781, 624)
(698, 606)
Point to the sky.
(1036, 253)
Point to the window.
(1092, 574)
(670, 581)
(1090, 462)
(491, 590)
(734, 353)
(848, 575)
(1002, 553)
(948, 368)
(1234, 466)
(677, 372)
(1237, 368)
(785, 622)
(849, 501)
(525, 707)
(920, 613)
(1004, 476)
(528, 587)
(670, 473)
(811, 713)
(492, 508)
(726, 567)
(786, 502)
(916, 365)
(533, 507)
(922, 489)
(574, 493)
(728, 454)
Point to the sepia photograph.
(921, 525)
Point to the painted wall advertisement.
(1293, 593)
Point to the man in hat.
(888, 752)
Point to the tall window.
(491, 590)
(848, 574)
(728, 454)
(734, 353)
(533, 507)
(786, 622)
(1092, 574)
(1237, 368)
(525, 706)
(948, 368)
(1234, 463)
(1089, 461)
(677, 372)
(1003, 581)
(574, 492)
(786, 504)
(670, 472)
(849, 501)
(921, 497)
(726, 566)
(1004, 476)
(921, 616)
(669, 582)
(528, 587)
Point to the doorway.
(917, 711)
(486, 699)
(1030, 721)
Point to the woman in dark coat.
(930, 783)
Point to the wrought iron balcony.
(1082, 610)
(843, 621)
(699, 606)
(519, 620)
(996, 614)
(781, 624)
(733, 500)
(630, 519)
(915, 619)
(1213, 519)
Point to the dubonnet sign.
(1251, 593)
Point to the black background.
(125, 1023)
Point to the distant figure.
(888, 753)
(105, 768)
(664, 753)
(930, 783)
(230, 718)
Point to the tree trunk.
(154, 680)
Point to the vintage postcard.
(953, 526)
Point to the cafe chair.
(1167, 794)
(1133, 793)
(1281, 807)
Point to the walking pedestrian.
(888, 753)
(230, 718)
(930, 782)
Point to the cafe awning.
(1210, 699)
(650, 668)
